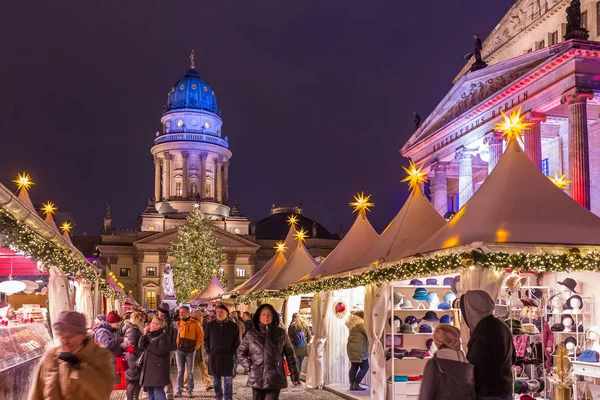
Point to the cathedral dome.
(191, 92)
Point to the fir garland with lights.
(572, 261)
(195, 255)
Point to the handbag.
(139, 363)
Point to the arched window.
(194, 188)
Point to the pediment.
(475, 88)
(228, 240)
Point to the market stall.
(213, 291)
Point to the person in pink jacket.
(532, 315)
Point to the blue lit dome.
(191, 92)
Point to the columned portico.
(579, 169)
(184, 180)
(203, 157)
(226, 182)
(533, 139)
(157, 165)
(231, 271)
(440, 187)
(494, 143)
(219, 182)
(167, 176)
(465, 175)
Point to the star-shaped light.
(301, 235)
(280, 246)
(23, 181)
(560, 181)
(415, 175)
(362, 203)
(66, 227)
(196, 206)
(292, 220)
(513, 126)
(48, 208)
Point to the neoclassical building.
(530, 65)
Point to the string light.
(415, 175)
(362, 203)
(23, 181)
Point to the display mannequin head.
(594, 333)
(568, 322)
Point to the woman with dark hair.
(300, 337)
(155, 373)
(261, 353)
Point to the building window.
(178, 189)
(584, 21)
(546, 167)
(151, 300)
(240, 272)
(151, 271)
(222, 271)
(208, 189)
(125, 272)
(540, 45)
(553, 38)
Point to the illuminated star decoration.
(292, 220)
(48, 208)
(415, 176)
(301, 235)
(560, 181)
(66, 227)
(361, 203)
(23, 181)
(196, 206)
(513, 126)
(280, 247)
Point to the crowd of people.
(142, 346)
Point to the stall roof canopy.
(276, 262)
(299, 264)
(517, 204)
(21, 265)
(416, 221)
(212, 291)
(357, 240)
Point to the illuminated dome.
(191, 92)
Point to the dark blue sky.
(317, 96)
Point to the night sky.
(317, 96)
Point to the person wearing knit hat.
(86, 366)
(106, 335)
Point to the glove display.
(70, 358)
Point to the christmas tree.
(195, 256)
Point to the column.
(579, 167)
(218, 182)
(184, 180)
(494, 143)
(226, 182)
(465, 175)
(440, 189)
(167, 176)
(231, 271)
(533, 139)
(157, 163)
(203, 175)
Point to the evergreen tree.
(195, 255)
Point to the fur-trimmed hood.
(354, 320)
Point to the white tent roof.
(276, 261)
(518, 204)
(213, 290)
(50, 221)
(415, 223)
(299, 264)
(290, 242)
(360, 236)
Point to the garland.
(18, 237)
(420, 267)
(108, 291)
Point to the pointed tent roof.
(416, 221)
(518, 204)
(277, 261)
(360, 236)
(67, 237)
(50, 221)
(290, 242)
(299, 264)
(213, 290)
(24, 197)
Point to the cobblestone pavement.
(242, 392)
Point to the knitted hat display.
(420, 294)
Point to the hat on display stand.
(420, 294)
(530, 329)
(416, 282)
(443, 306)
(431, 316)
(406, 329)
(406, 304)
(449, 297)
(574, 302)
(446, 319)
(424, 328)
(589, 356)
(514, 281)
(557, 328)
(431, 282)
(433, 298)
(412, 320)
(515, 325)
(569, 283)
(448, 281)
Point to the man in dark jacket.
(164, 312)
(491, 350)
(221, 340)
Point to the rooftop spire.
(192, 60)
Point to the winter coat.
(491, 349)
(57, 380)
(262, 352)
(171, 331)
(156, 369)
(221, 340)
(132, 333)
(358, 341)
(107, 337)
(190, 329)
(448, 376)
(548, 338)
(299, 351)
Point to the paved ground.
(242, 392)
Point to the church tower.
(191, 160)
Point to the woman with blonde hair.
(448, 375)
(132, 332)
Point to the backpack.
(300, 339)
